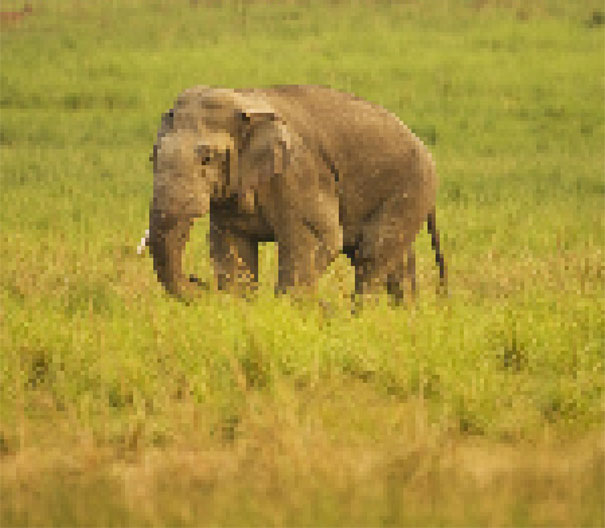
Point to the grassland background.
(120, 405)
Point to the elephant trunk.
(168, 235)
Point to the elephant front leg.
(304, 253)
(235, 259)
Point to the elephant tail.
(432, 229)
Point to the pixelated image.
(266, 165)
(302, 263)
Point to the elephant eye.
(204, 154)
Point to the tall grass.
(120, 405)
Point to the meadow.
(120, 405)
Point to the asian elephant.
(316, 170)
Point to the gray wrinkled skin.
(316, 170)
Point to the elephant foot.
(189, 290)
(356, 304)
(199, 282)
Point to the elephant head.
(214, 144)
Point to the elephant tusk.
(144, 243)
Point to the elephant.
(318, 171)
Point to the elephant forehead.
(218, 139)
(206, 121)
(212, 105)
(183, 142)
(177, 143)
(185, 118)
(194, 91)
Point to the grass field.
(122, 406)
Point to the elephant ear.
(263, 151)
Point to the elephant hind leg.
(385, 254)
(396, 279)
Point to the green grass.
(120, 405)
